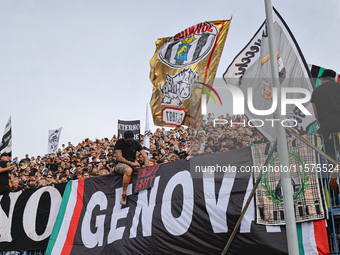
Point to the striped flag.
(6, 142)
(67, 219)
(312, 238)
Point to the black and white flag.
(53, 140)
(6, 142)
(251, 71)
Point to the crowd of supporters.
(91, 158)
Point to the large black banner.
(132, 125)
(178, 215)
(27, 217)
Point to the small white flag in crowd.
(6, 142)
(53, 140)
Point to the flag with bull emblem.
(179, 66)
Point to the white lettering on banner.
(250, 212)
(6, 222)
(272, 229)
(31, 209)
(117, 214)
(147, 210)
(136, 136)
(88, 238)
(173, 116)
(180, 225)
(218, 210)
(128, 127)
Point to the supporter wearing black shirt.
(126, 149)
(326, 105)
(50, 165)
(4, 185)
(182, 154)
(172, 149)
(210, 144)
(166, 140)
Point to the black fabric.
(3, 175)
(182, 154)
(128, 151)
(20, 239)
(199, 238)
(4, 189)
(326, 98)
(53, 167)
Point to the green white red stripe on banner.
(67, 219)
(312, 237)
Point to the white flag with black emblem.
(6, 142)
(146, 143)
(53, 140)
(251, 71)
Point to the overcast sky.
(82, 65)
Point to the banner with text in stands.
(27, 217)
(183, 213)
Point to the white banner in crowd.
(53, 140)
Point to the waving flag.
(316, 71)
(251, 69)
(6, 142)
(179, 65)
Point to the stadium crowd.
(91, 158)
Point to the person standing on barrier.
(126, 149)
(4, 168)
(326, 106)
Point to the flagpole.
(252, 193)
(146, 143)
(292, 240)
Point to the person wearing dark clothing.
(126, 149)
(326, 106)
(182, 154)
(326, 103)
(51, 165)
(4, 168)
